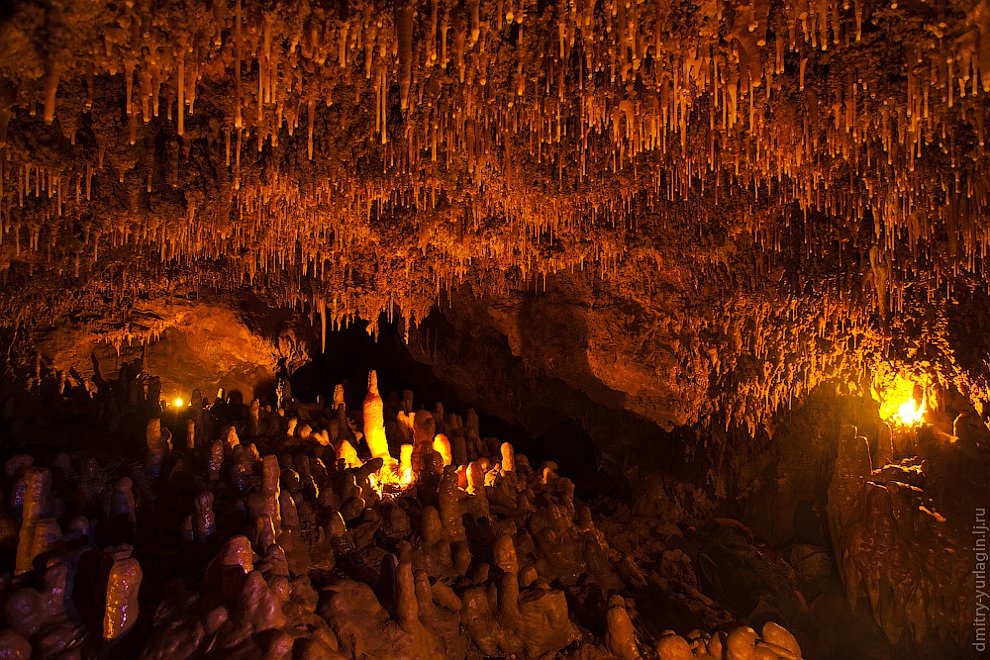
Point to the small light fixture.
(910, 413)
(904, 402)
(178, 402)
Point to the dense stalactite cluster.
(429, 128)
(368, 158)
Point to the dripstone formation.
(284, 545)
(717, 267)
(813, 174)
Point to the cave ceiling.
(764, 193)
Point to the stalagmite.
(450, 505)
(674, 647)
(347, 454)
(885, 447)
(508, 458)
(156, 447)
(458, 449)
(774, 633)
(852, 468)
(441, 445)
(237, 552)
(36, 486)
(620, 636)
(122, 504)
(190, 434)
(204, 519)
(270, 489)
(231, 440)
(405, 458)
(47, 535)
(424, 459)
(216, 459)
(504, 553)
(122, 598)
(264, 536)
(374, 421)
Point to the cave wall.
(678, 358)
(188, 340)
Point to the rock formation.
(714, 274)
(284, 552)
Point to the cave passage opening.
(352, 351)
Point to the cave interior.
(494, 329)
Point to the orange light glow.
(910, 413)
(902, 402)
(391, 480)
(178, 402)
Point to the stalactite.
(527, 143)
(181, 85)
(404, 37)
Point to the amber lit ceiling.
(355, 156)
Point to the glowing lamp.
(178, 402)
(910, 413)
(903, 403)
(392, 479)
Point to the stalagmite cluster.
(267, 543)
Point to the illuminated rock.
(204, 519)
(674, 647)
(36, 487)
(374, 421)
(620, 636)
(122, 598)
